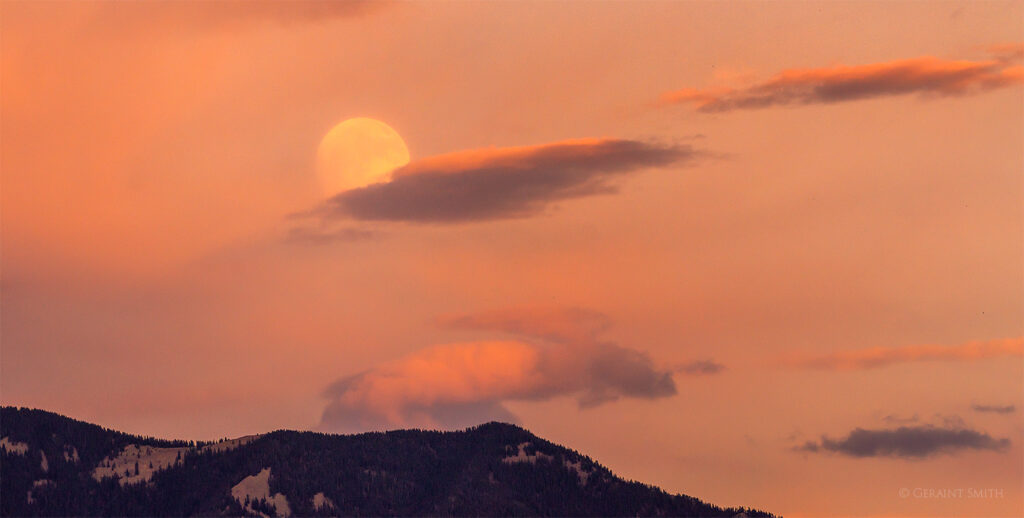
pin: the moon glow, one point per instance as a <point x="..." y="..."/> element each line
<point x="359" y="152"/>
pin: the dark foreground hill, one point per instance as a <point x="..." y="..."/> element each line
<point x="55" y="466"/>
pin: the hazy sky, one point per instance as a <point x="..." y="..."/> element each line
<point x="765" y="254"/>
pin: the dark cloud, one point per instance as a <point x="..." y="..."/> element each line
<point x="615" y="372"/>
<point x="996" y="409"/>
<point x="499" y="183"/>
<point x="910" y="442"/>
<point x="924" y="75"/>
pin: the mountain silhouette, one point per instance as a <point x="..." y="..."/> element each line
<point x="56" y="466"/>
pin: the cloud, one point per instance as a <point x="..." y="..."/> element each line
<point x="882" y="356"/>
<point x="924" y="75"/>
<point x="911" y="442"/>
<point x="555" y="352"/>
<point x="895" y="419"/>
<point x="447" y="386"/>
<point x="565" y="325"/>
<point x="1007" y="51"/>
<point x="499" y="183"/>
<point x="1008" y="409"/>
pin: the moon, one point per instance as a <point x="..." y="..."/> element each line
<point x="359" y="152"/>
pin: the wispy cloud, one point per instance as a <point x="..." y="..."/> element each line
<point x="701" y="367"/>
<point x="1007" y="51"/>
<point x="557" y="324"/>
<point x="911" y="442"/>
<point x="229" y="14"/>
<point x="322" y="236"/>
<point x="499" y="183"/>
<point x="883" y="356"/>
<point x="995" y="409"/>
<point x="896" y="419"/>
<point x="924" y="75"/>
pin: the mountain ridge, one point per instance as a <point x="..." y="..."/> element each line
<point x="54" y="465"/>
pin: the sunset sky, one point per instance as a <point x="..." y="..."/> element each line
<point x="767" y="254"/>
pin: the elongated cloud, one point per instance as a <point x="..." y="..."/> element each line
<point x="499" y="183"/>
<point x="924" y="75"/>
<point x="882" y="356"/>
<point x="320" y="236"/>
<point x="555" y="352"/>
<point x="911" y="442"/>
<point x="451" y="386"/>
<point x="995" y="409"/>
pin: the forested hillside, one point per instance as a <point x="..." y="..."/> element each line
<point x="56" y="466"/>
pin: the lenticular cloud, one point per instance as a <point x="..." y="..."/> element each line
<point x="555" y="353"/>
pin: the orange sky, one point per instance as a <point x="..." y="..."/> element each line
<point x="711" y="241"/>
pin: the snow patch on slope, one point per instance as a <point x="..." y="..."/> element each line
<point x="20" y="448"/>
<point x="320" y="501"/>
<point x="578" y="468"/>
<point x="522" y="456"/>
<point x="71" y="454"/>
<point x="256" y="487"/>
<point x="145" y="459"/>
<point x="43" y="463"/>
<point x="35" y="484"/>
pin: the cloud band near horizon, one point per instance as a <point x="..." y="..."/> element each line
<point x="909" y="442"/>
<point x="882" y="356"/>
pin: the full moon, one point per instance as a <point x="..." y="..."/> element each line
<point x="359" y="152"/>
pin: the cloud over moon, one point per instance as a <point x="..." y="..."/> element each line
<point x="555" y="352"/>
<point x="883" y="356"/>
<point x="924" y="75"/>
<point x="910" y="442"/>
<point x="499" y="183"/>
